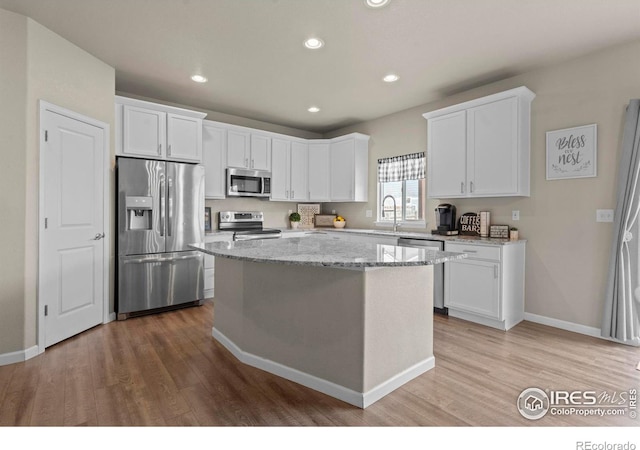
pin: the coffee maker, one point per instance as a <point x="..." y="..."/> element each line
<point x="445" y="220"/>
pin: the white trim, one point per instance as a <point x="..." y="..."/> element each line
<point x="159" y="107"/>
<point x="397" y="380"/>
<point x="562" y="324"/>
<point x="19" y="356"/>
<point x="359" y="399"/>
<point x="44" y="107"/>
<point x="575" y="328"/>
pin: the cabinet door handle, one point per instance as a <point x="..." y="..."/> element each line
<point x="471" y="186"/>
<point x="159" y="149"/>
<point x="169" y="150"/>
<point x="286" y="194"/>
<point x="495" y="272"/>
<point x="293" y="194"/>
<point x="246" y="162"/>
<point x="252" y="163"/>
<point x="462" y="187"/>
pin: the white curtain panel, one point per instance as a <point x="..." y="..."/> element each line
<point x="401" y="168"/>
<point x="621" y="318"/>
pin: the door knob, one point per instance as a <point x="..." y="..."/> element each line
<point x="98" y="236"/>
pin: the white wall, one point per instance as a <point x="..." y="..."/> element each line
<point x="567" y="251"/>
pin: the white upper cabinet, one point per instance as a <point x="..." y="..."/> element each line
<point x="238" y="148"/>
<point x="150" y="130"/>
<point x="184" y="138"/>
<point x="298" y="171"/>
<point x="319" y="173"/>
<point x="260" y="156"/>
<point x="247" y="150"/>
<point x="318" y="170"/>
<point x="349" y="157"/>
<point x="288" y="170"/>
<point x="280" y="154"/>
<point x="143" y="132"/>
<point x="480" y="148"/>
<point x="446" y="169"/>
<point x="214" y="145"/>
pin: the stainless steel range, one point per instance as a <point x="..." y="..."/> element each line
<point x="246" y="225"/>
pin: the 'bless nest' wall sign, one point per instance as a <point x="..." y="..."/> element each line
<point x="571" y="153"/>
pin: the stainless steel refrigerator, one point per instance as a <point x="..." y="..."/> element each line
<point x="160" y="209"/>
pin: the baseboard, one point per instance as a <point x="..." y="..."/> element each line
<point x="396" y="381"/>
<point x="359" y="399"/>
<point x="575" y="327"/>
<point x="19" y="356"/>
<point x="562" y="324"/>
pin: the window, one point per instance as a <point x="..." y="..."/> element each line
<point x="401" y="177"/>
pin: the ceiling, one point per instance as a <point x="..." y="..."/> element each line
<point x="253" y="55"/>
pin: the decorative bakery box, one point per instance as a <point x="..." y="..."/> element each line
<point x="324" y="220"/>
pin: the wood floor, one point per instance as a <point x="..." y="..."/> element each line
<point x="166" y="370"/>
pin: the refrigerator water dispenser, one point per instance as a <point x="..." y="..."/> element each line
<point x="139" y="213"/>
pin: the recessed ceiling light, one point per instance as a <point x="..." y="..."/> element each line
<point x="313" y="109"/>
<point x="313" y="43"/>
<point x="199" y="79"/>
<point x="376" y="3"/>
<point x="390" y="78"/>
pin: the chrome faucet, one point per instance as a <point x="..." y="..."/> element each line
<point x="395" y="223"/>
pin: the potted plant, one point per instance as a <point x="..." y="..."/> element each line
<point x="513" y="233"/>
<point x="294" y="219"/>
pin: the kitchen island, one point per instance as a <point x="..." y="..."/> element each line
<point x="351" y="320"/>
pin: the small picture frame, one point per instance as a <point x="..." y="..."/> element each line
<point x="572" y="152"/>
<point x="207" y="218"/>
<point x="499" y="231"/>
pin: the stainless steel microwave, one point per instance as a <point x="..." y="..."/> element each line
<point x="248" y="183"/>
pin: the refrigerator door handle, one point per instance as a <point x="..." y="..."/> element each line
<point x="159" y="260"/>
<point x="162" y="207"/>
<point x="170" y="206"/>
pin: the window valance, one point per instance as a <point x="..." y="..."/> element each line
<point x="400" y="168"/>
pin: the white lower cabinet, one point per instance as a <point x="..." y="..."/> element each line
<point x="488" y="286"/>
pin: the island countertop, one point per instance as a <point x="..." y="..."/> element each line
<point x="318" y="251"/>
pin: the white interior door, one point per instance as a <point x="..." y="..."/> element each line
<point x="72" y="248"/>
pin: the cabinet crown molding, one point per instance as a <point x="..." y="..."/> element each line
<point x="159" y="107"/>
<point x="522" y="92"/>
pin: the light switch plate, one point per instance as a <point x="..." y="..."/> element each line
<point x="604" y="215"/>
<point x="515" y="215"/>
<point x="369" y="213"/>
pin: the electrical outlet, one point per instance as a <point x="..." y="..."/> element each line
<point x="515" y="215"/>
<point x="290" y="211"/>
<point x="604" y="215"/>
<point x="333" y="211"/>
<point x="369" y="213"/>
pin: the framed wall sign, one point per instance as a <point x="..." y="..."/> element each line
<point x="572" y="152"/>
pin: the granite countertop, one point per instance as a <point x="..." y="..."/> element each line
<point x="317" y="251"/>
<point x="414" y="235"/>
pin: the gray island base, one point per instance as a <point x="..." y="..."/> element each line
<point x="351" y="320"/>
